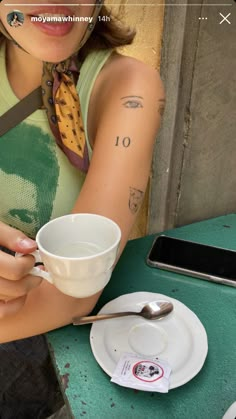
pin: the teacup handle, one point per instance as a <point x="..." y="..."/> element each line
<point x="36" y="271"/>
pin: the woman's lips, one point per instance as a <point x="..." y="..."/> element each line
<point x="54" y="28"/>
<point x="63" y="10"/>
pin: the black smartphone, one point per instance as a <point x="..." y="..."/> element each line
<point x="194" y="259"/>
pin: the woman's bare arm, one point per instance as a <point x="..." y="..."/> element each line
<point x="126" y="107"/>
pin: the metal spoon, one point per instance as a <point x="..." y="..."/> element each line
<point x="151" y="311"/>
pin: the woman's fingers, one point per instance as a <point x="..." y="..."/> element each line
<point x="15" y="240"/>
<point x="13" y="268"/>
<point x="15" y="289"/>
<point x="15" y="280"/>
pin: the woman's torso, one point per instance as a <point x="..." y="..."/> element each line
<point x="37" y="182"/>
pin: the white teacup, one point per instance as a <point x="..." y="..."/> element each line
<point x="78" y="251"/>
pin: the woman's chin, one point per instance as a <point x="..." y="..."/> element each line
<point x="55" y="50"/>
<point x="51" y="56"/>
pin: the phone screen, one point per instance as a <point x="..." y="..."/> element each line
<point x="194" y="256"/>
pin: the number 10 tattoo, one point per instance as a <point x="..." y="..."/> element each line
<point x="124" y="141"/>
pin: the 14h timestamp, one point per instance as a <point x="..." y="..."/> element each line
<point x="104" y="19"/>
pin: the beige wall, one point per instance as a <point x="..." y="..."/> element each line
<point x="148" y="22"/>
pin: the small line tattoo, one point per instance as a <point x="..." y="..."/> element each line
<point x="133" y="102"/>
<point x="126" y="97"/>
<point x="135" y="199"/>
<point x="161" y="106"/>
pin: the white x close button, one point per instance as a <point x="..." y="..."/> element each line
<point x="225" y="19"/>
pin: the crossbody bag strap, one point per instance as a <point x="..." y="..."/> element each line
<point x="21" y="111"/>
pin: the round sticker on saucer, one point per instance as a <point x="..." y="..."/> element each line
<point x="147" y="371"/>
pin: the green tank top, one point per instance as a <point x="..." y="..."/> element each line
<point x="37" y="182"/>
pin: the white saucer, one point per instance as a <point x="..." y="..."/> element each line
<point x="179" y="338"/>
<point x="231" y="412"/>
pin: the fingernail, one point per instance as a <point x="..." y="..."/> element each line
<point x="26" y="243"/>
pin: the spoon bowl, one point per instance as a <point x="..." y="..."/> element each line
<point x="154" y="310"/>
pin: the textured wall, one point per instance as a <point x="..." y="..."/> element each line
<point x="208" y="185"/>
<point x="148" y="22"/>
<point x="195" y="172"/>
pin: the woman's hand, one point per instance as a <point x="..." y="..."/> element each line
<point x="15" y="282"/>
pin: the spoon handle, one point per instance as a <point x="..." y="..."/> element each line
<point x="90" y="319"/>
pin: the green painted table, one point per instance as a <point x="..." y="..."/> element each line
<point x="87" y="389"/>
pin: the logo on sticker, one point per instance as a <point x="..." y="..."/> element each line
<point x="147" y="371"/>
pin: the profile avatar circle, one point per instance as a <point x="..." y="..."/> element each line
<point x="15" y="19"/>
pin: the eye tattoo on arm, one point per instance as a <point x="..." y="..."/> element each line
<point x="135" y="199"/>
<point x="161" y="106"/>
<point x="132" y="101"/>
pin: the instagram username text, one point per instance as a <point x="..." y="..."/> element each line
<point x="61" y="19"/>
